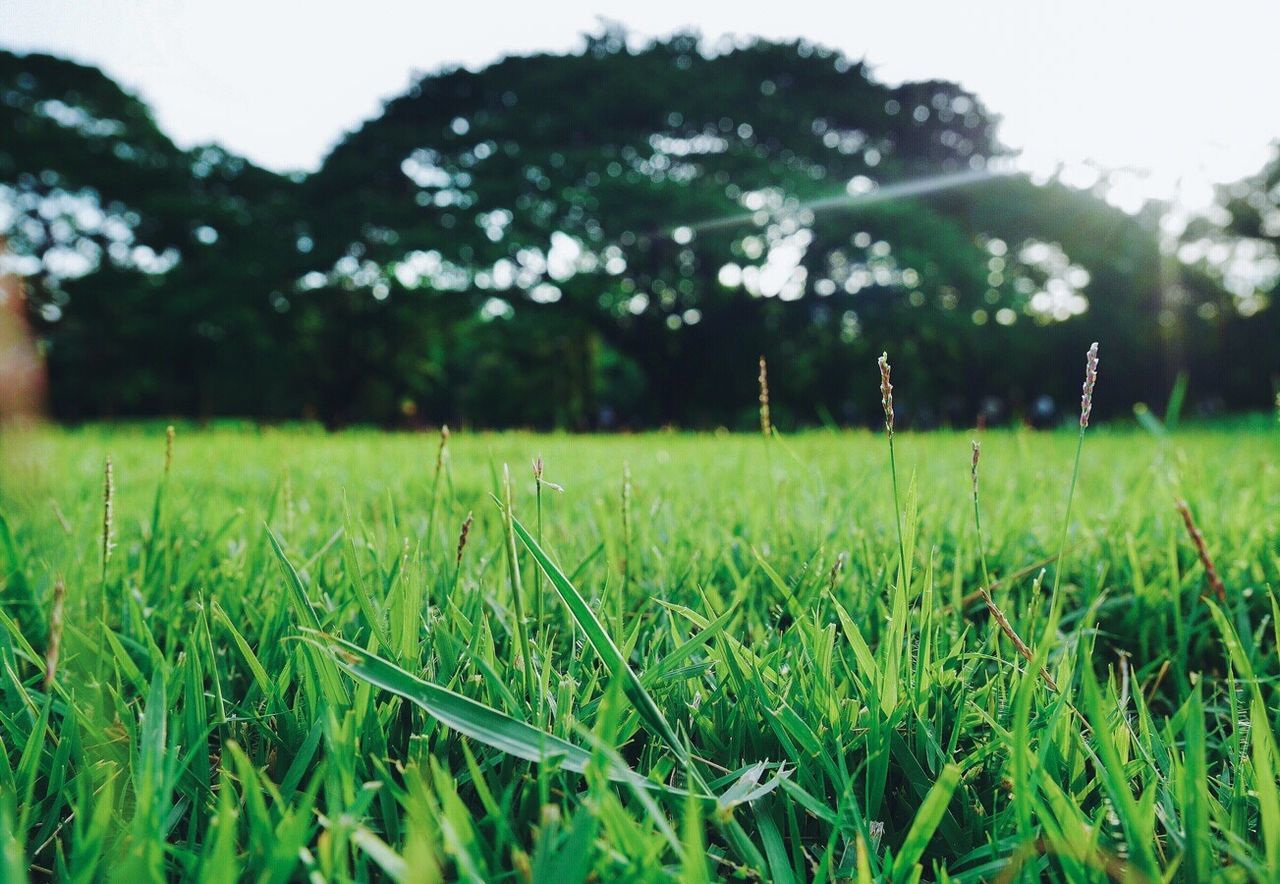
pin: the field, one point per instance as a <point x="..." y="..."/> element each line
<point x="721" y="668"/>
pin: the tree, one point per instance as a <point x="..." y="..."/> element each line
<point x="604" y="238"/>
<point x="143" y="260"/>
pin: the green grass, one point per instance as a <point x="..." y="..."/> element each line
<point x="731" y="675"/>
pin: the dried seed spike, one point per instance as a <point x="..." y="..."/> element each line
<point x="886" y="391"/>
<point x="537" y="468"/>
<point x="766" y="423"/>
<point x="1007" y="628"/>
<point x="1090" y="378"/>
<point x="55" y="633"/>
<point x="462" y="536"/>
<point x="1197" y="538"/>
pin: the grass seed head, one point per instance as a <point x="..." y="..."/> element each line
<point x="108" y="512"/>
<point x="977" y="453"/>
<point x="836" y="568"/>
<point x="55" y="633"/>
<point x="1202" y="550"/>
<point x="766" y="423"/>
<point x="539" y="477"/>
<point x="626" y="493"/>
<point x="168" y="448"/>
<point x="1007" y="628"/>
<point x="1090" y="378"/>
<point x="463" y="535"/>
<point x="442" y="450"/>
<point x="886" y="392"/>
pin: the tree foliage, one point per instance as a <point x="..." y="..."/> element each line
<point x="604" y="238"/>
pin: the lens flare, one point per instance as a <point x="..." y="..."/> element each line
<point x="929" y="184"/>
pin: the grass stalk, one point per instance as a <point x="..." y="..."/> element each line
<point x="442" y="454"/>
<point x="620" y="598"/>
<point x="537" y="572"/>
<point x="886" y="401"/>
<point x="463" y="534"/>
<point x="54" y="643"/>
<point x="108" y="545"/>
<point x="1086" y="408"/>
<point x="997" y="614"/>
<point x="525" y="650"/>
<point x="768" y="432"/>
<point x="977" y="518"/>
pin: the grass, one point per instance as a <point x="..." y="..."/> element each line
<point x="730" y="662"/>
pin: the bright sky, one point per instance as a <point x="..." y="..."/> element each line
<point x="1179" y="90"/>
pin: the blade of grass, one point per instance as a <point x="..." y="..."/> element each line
<point x="332" y="686"/>
<point x="926" y="821"/>
<point x="473" y="719"/>
<point x="601" y="641"/>
<point x="634" y="688"/>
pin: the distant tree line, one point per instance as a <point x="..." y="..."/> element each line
<point x="610" y="239"/>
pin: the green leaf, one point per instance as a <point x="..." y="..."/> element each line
<point x="634" y="688"/>
<point x="926" y="822"/>
<point x="333" y="688"/>
<point x="473" y="719"/>
<point x="603" y="644"/>
<point x="1137" y="825"/>
<point x="1195" y="794"/>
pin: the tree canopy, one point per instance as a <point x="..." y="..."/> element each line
<point x="607" y="238"/>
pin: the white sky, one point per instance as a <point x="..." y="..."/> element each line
<point x="1182" y="90"/>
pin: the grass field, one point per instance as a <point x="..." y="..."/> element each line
<point x="724" y="670"/>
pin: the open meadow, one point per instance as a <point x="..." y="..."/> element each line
<point x="277" y="660"/>
<point x="648" y="613"/>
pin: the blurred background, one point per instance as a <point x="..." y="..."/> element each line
<point x="600" y="219"/>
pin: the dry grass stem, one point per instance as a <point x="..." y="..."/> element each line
<point x="1197" y="538"/>
<point x="1007" y="628"/>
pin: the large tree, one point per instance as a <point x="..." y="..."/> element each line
<point x="611" y="236"/>
<point x="150" y="269"/>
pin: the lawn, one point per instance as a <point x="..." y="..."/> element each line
<point x="709" y="661"/>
